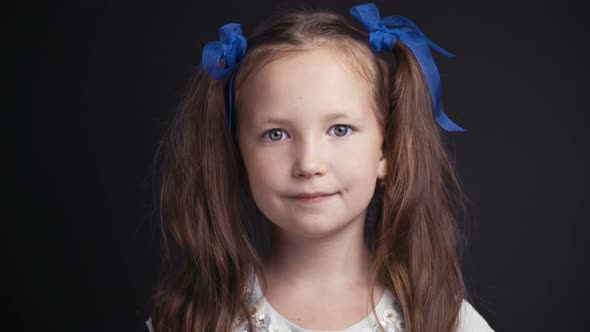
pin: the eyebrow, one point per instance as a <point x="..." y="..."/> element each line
<point x="327" y="117"/>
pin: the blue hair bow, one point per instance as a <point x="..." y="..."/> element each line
<point x="221" y="57"/>
<point x="383" y="35"/>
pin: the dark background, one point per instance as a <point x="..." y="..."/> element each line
<point x="103" y="78"/>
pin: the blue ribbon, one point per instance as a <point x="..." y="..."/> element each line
<point x="229" y="49"/>
<point x="383" y="35"/>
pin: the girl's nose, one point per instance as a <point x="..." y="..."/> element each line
<point x="309" y="160"/>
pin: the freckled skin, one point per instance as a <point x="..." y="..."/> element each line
<point x="309" y="154"/>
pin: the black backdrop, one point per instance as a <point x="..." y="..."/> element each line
<point x="102" y="79"/>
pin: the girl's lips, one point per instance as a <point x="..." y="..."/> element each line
<point x="313" y="198"/>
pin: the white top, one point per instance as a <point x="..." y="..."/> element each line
<point x="388" y="311"/>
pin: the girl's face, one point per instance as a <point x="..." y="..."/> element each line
<point x="307" y="126"/>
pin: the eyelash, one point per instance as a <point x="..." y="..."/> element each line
<point x="350" y="130"/>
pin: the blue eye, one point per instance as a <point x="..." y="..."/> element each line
<point x="342" y="130"/>
<point x="275" y="134"/>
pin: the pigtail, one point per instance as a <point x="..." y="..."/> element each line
<point x="417" y="249"/>
<point x="199" y="208"/>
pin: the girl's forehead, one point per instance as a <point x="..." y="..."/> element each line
<point x="316" y="80"/>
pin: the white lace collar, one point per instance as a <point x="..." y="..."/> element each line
<point x="266" y="318"/>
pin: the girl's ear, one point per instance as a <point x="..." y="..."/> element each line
<point x="381" y="167"/>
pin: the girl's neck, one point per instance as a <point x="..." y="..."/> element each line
<point x="341" y="258"/>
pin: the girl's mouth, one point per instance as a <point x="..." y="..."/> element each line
<point x="313" y="197"/>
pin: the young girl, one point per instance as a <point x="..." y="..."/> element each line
<point x="307" y="187"/>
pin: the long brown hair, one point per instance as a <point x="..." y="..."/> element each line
<point x="206" y="206"/>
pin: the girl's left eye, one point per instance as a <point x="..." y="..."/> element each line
<point x="340" y="130"/>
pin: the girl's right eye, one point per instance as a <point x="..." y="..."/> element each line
<point x="275" y="134"/>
